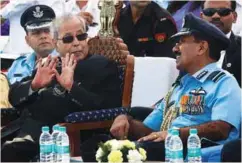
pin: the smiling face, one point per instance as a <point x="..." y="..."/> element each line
<point x="72" y="27"/>
<point x="224" y="20"/>
<point x="41" y="41"/>
<point x="187" y="52"/>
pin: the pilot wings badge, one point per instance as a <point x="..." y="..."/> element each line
<point x="198" y="92"/>
<point x="37" y="13"/>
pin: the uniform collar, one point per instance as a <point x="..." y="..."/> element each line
<point x="201" y="74"/>
<point x="31" y="58"/>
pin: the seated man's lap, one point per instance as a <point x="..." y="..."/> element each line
<point x="19" y="150"/>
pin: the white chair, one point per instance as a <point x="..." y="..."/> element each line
<point x="153" y="76"/>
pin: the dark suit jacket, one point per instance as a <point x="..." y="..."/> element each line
<point x="232" y="59"/>
<point x="96" y="86"/>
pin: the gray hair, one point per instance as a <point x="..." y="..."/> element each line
<point x="56" y="24"/>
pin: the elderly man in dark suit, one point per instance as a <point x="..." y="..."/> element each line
<point x="222" y="14"/>
<point x="75" y="82"/>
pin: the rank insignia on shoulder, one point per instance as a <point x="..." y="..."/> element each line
<point x="216" y="76"/>
<point x="163" y="19"/>
<point x="160" y="37"/>
<point x="202" y="74"/>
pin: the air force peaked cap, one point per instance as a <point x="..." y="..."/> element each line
<point x="37" y="16"/>
<point x="194" y="25"/>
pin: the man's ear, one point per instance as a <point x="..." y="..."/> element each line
<point x="201" y="15"/>
<point x="27" y="40"/>
<point x="235" y="16"/>
<point x="56" y="45"/>
<point x="203" y="47"/>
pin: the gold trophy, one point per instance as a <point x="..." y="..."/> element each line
<point x="106" y="43"/>
<point x="107" y="15"/>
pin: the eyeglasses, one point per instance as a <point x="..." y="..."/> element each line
<point x="70" y="39"/>
<point x="220" y="11"/>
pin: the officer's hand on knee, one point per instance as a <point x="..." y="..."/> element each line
<point x="120" y="127"/>
<point x="154" y="136"/>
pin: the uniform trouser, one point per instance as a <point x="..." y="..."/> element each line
<point x="19" y="150"/>
<point x="155" y="151"/>
<point x="231" y="152"/>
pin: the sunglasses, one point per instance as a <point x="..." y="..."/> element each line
<point x="70" y="39"/>
<point x="220" y="11"/>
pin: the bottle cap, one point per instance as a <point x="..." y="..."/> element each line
<point x="55" y="128"/>
<point x="45" y="128"/>
<point x="170" y="131"/>
<point x="175" y="132"/>
<point x="62" y="128"/>
<point x="193" y="131"/>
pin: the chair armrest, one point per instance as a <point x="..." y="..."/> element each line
<point x="73" y="131"/>
<point x="208" y="143"/>
<point x="95" y="115"/>
<point x="8" y="115"/>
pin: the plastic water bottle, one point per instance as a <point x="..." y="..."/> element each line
<point x="62" y="144"/>
<point x="46" y="145"/>
<point x="55" y="132"/>
<point x="194" y="147"/>
<point x="176" y="147"/>
<point x="167" y="146"/>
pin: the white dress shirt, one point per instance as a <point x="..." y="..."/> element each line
<point x="223" y="53"/>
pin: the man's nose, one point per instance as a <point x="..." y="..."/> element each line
<point x="176" y="48"/>
<point x="43" y="35"/>
<point x="215" y="15"/>
<point x="76" y="42"/>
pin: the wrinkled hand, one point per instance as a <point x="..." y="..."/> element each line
<point x="87" y="16"/>
<point x="155" y="137"/>
<point x="45" y="73"/>
<point x="120" y="127"/>
<point x="65" y="79"/>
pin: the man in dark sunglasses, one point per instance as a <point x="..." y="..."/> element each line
<point x="222" y="14"/>
<point x="75" y="82"/>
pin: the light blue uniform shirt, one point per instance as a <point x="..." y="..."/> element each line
<point x="219" y="99"/>
<point x="23" y="66"/>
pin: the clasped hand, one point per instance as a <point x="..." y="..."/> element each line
<point x="47" y="72"/>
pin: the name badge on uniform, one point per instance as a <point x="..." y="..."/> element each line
<point x="144" y="39"/>
<point x="193" y="103"/>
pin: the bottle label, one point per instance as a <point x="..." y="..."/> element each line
<point x="194" y="152"/>
<point x="63" y="149"/>
<point x="46" y="148"/>
<point x="54" y="148"/>
<point x="176" y="154"/>
<point x="167" y="153"/>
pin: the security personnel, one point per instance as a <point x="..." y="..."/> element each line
<point x="36" y="21"/>
<point x="145" y="27"/>
<point x="207" y="98"/>
<point x="223" y="15"/>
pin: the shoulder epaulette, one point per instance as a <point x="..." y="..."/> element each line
<point x="216" y="76"/>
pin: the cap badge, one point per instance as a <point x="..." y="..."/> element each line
<point x="38" y="13"/>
